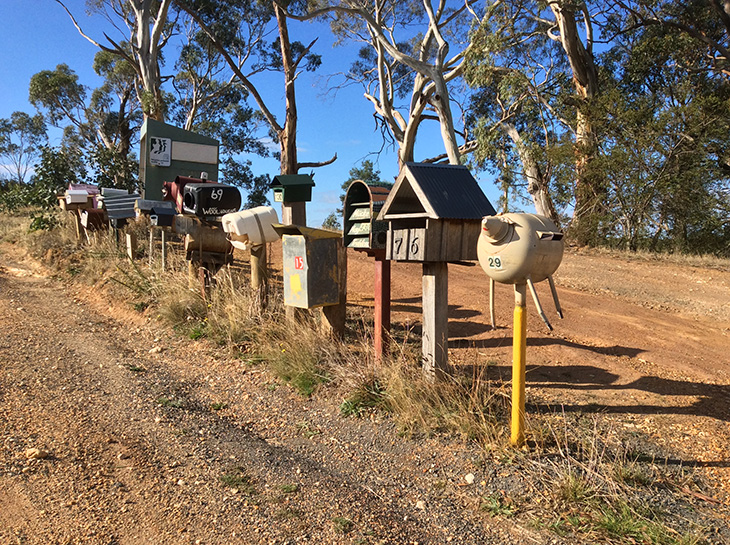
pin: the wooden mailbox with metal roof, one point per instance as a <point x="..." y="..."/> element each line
<point x="435" y="213"/>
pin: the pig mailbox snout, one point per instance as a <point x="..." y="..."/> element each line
<point x="513" y="248"/>
<point x="208" y="201"/>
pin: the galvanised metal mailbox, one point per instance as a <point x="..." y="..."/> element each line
<point x="311" y="266"/>
<point x="435" y="213"/>
<point x="210" y="201"/>
<point x="292" y="188"/>
<point x="167" y="152"/>
<point x="362" y="231"/>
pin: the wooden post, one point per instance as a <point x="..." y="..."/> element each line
<point x="435" y="336"/>
<point x="333" y="316"/>
<point x="294" y="213"/>
<point x="259" y="274"/>
<point x="152" y="245"/>
<point x="164" y="248"/>
<point x="382" y="308"/>
<point x="79" y="226"/>
<point x="131" y="246"/>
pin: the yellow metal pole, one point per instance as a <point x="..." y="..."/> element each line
<point x="519" y="347"/>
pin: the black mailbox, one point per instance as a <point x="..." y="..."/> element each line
<point x="162" y="216"/>
<point x="362" y="231"/>
<point x="208" y="201"/>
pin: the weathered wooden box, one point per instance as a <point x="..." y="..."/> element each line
<point x="434" y="214"/>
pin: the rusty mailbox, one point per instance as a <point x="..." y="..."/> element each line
<point x="311" y="267"/>
<point x="365" y="233"/>
<point x="435" y="212"/>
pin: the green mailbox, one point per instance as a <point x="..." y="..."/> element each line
<point x="167" y="152"/>
<point x="292" y="188"/>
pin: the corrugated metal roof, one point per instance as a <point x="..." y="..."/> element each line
<point x="451" y="190"/>
<point x="291" y="179"/>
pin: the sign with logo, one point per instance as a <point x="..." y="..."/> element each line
<point x="160" y="151"/>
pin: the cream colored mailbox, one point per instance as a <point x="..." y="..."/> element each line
<point x="520" y="249"/>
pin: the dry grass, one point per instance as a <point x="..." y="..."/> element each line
<point x="693" y="260"/>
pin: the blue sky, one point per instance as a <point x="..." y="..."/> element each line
<point x="38" y="35"/>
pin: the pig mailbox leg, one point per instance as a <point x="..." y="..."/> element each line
<point x="541" y="312"/>
<point x="555" y="296"/>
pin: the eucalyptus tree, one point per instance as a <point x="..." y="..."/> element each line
<point x="99" y="124"/>
<point x="145" y="29"/>
<point x="571" y="24"/>
<point x="211" y="101"/>
<point x="253" y="38"/>
<point x="413" y="48"/>
<point x="663" y="142"/>
<point x="705" y="22"/>
<point x="516" y="110"/>
<point x="22" y="138"/>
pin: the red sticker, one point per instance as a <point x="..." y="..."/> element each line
<point x="298" y="262"/>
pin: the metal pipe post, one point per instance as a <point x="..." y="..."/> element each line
<point x="519" y="347"/>
<point x="491" y="303"/>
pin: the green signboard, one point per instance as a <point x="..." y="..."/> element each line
<point x="167" y="152"/>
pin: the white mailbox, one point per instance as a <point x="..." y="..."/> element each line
<point x="251" y="227"/>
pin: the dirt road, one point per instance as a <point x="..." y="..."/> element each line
<point x="130" y="448"/>
<point x="144" y="437"/>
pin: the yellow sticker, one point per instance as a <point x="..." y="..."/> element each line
<point x="295" y="284"/>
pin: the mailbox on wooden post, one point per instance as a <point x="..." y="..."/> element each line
<point x="315" y="273"/>
<point x="434" y="213"/>
<point x="293" y="191"/>
<point x="250" y="230"/>
<point x="365" y="233"/>
<point x="521" y="249"/>
<point x="206" y="249"/>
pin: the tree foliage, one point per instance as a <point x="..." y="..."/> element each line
<point x="22" y="138"/>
